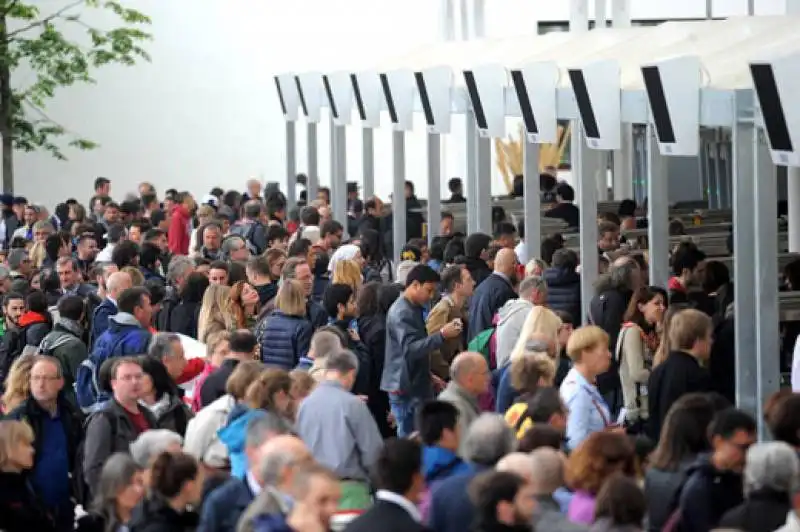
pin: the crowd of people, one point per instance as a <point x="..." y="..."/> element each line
<point x="453" y="389"/>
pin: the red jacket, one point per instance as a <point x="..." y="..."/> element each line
<point x="178" y="234"/>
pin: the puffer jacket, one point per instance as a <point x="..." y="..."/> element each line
<point x="284" y="340"/>
<point x="564" y="291"/>
<point x="512" y="317"/>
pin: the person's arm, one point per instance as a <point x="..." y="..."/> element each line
<point x="695" y="506"/>
<point x="259" y="237"/>
<point x="578" y="426"/>
<point x="96" y="448"/>
<point x="367" y="436"/>
<point x="303" y="341"/>
<point x="413" y="341"/>
<point x="436" y="320"/>
<point x="632" y="370"/>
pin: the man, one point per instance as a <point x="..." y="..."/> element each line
<point x="234" y="248"/>
<point x="86" y="252"/>
<point x="339" y="429"/>
<point x="168" y="349"/>
<point x="13" y="309"/>
<point x="119" y="422"/>
<point x="476" y="253"/>
<point x="71" y="278"/>
<point x="493" y="293"/>
<point x="20" y="263"/>
<point x="607" y="237"/>
<point x="58" y="429"/>
<point x="456" y="188"/>
<point x="117" y="283"/>
<point x="488" y="440"/>
<point x="218" y="273"/>
<point x="406" y="372"/>
<point x="102" y="186"/>
<point x="212" y="240"/>
<point x="309" y="225"/>
<point x="298" y="269"/>
<point x="688" y="266"/>
<point x="564" y="283"/>
<point x="400" y="483"/>
<point x="115" y="234"/>
<point x="505" y="235"/>
<point x="547" y="476"/>
<point x="331" y="234"/>
<point x="564" y="208"/>
<point x="458" y="285"/>
<point x="179" y="270"/>
<point x="253" y="192"/>
<point x="323" y="343"/>
<point x="260" y="276"/>
<point x="373" y="216"/>
<point x="30" y="215"/>
<point x="446" y="224"/>
<point x="242" y="348"/>
<point x="440" y="433"/>
<point x="269" y="455"/>
<point x="714" y="483"/>
<point x="512" y="316"/>
<point x="251" y="228"/>
<point x="8" y="221"/>
<point x="470" y="378"/>
<point x="503" y="501"/>
<point x="64" y="342"/>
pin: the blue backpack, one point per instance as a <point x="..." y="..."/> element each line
<point x="87" y="389"/>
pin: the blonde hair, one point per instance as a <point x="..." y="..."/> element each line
<point x="37" y="254"/>
<point x="291" y="298"/>
<point x="688" y="327"/>
<point x="529" y="369"/>
<point x="12" y="433"/>
<point x="584" y="338"/>
<point x="261" y="392"/>
<point x="541" y="322"/>
<point x="302" y="383"/>
<point x="532" y="265"/>
<point x="137" y="278"/>
<point x="347" y="272"/>
<point x="18" y="382"/>
<point x="215" y="312"/>
<point x="214" y="340"/>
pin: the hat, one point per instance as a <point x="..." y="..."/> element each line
<point x="411" y="253"/>
<point x="20" y="200"/>
<point x="6" y="200"/>
<point x="16" y="257"/>
<point x="208" y="199"/>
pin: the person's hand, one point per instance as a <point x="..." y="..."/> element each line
<point x="452" y="329"/>
<point x="353" y="335"/>
<point x="438" y="382"/>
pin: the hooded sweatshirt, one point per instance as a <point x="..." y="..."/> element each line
<point x="234" y="434"/>
<point x="512" y="317"/>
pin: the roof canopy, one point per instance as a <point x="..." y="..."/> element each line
<point x="724" y="47"/>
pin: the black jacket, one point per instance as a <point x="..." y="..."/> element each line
<point x="214" y="386"/>
<point x="372" y="330"/>
<point x="164" y="316"/>
<point x="662" y="491"/>
<point x="486" y="301"/>
<point x="678" y="375"/>
<point x="707" y="495"/>
<point x="153" y="514"/>
<point x="184" y="318"/>
<point x="763" y="511"/>
<point x="386" y="517"/>
<point x="20" y="509"/>
<point x="478" y="269"/>
<point x="722" y="361"/>
<point x="564" y="291"/>
<point x="567" y="212"/>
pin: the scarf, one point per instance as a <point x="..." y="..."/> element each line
<point x="70" y="325"/>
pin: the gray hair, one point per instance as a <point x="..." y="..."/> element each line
<point x="161" y="345"/>
<point x="773" y="466"/>
<point x="273" y="465"/>
<point x="179" y="266"/>
<point x="621" y="274"/>
<point x="231" y="244"/>
<point x="489" y="439"/>
<point x="548" y="470"/>
<point x="530" y="285"/>
<point x="343" y="361"/>
<point x="263" y="427"/>
<point x="152" y="443"/>
<point x="117" y="474"/>
<point x="517" y="463"/>
<point x="323" y="343"/>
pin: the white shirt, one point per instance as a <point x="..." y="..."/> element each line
<point x="796" y="366"/>
<point x="402" y="502"/>
<point x="253" y="484"/>
<point x="522" y="252"/>
<point x="105" y="254"/>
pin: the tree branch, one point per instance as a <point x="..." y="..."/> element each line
<point x="45" y="20"/>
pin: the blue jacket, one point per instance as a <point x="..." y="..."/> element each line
<point x="285" y="340"/>
<point x="439" y="463"/>
<point x="234" y="434"/>
<point x="271" y="523"/>
<point x="489" y="296"/>
<point x="223" y="506"/>
<point x="505" y="394"/>
<point x="564" y="291"/>
<point x="102" y="313"/>
<point x="125" y="336"/>
<point x="451" y="510"/>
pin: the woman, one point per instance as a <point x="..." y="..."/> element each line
<point x="636" y="346"/>
<point x="120" y="489"/>
<point x="176" y="484"/>
<point x="346" y="252"/>
<point x="620" y="506"/>
<point x="185" y="316"/>
<point x="528" y="375"/>
<point x="683" y="438"/>
<point x="540" y="321"/>
<point x="20" y="508"/>
<point x="348" y="272"/>
<point x="217" y="349"/>
<point x="215" y="312"/>
<point x="286" y="334"/>
<point x="18" y="383"/>
<point x="588" y="411"/>
<point x="162" y="397"/>
<point x="516" y="378"/>
<point x="663" y="345"/>
<point x="204" y="215"/>
<point x="376" y="266"/>
<point x="180" y="216"/>
<point x="373" y="304"/>
<point x="244" y="305"/>
<point x="597" y="458"/>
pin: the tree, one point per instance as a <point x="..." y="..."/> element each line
<point x="35" y="41"/>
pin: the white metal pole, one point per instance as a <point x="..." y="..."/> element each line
<point x="793" y="174"/>
<point x="472" y="171"/>
<point x="600" y="19"/>
<point x="657" y="212"/>
<point x="623" y="158"/>
<point x="368" y="161"/>
<point x="398" y="193"/>
<point x="533" y="205"/>
<point x="339" y="177"/>
<point x="483" y="192"/>
<point x="291" y="164"/>
<point x="313" y="169"/>
<point x="479" y="18"/>
<point x="447" y="28"/>
<point x="434" y="184"/>
<point x="464" y="5"/>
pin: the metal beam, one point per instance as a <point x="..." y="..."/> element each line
<point x="368" y="162"/>
<point x="479" y="19"/>
<point x="657" y="212"/>
<point x="398" y="193"/>
<point x="743" y="264"/>
<point x="471" y="133"/>
<point x="291" y="164"/>
<point x="583" y="168"/>
<point x="793" y="201"/>
<point x="465" y="35"/>
<point x="447" y="19"/>
<point x="339" y="176"/>
<point x="767" y="322"/>
<point x="531" y="201"/>
<point x="484" y="185"/>
<point x="579" y="15"/>
<point x="313" y="168"/>
<point x="434" y="147"/>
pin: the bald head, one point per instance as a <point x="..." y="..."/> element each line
<point x="117" y="283"/>
<point x="517" y="463"/>
<point x="505" y="262"/>
<point x="466" y="364"/>
<point x="547" y="468"/>
<point x="279" y="455"/>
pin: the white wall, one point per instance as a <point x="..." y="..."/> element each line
<point x="204" y="113"/>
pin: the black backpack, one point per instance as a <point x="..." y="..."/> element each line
<point x="80" y="488"/>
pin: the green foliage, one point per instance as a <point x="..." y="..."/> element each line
<point x="33" y="39"/>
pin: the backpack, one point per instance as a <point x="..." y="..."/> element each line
<point x="247" y="235"/>
<point x="485" y="343"/>
<point x="87" y="389"/>
<point x="80" y="487"/>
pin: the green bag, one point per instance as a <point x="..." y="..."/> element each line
<point x="484" y="344"/>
